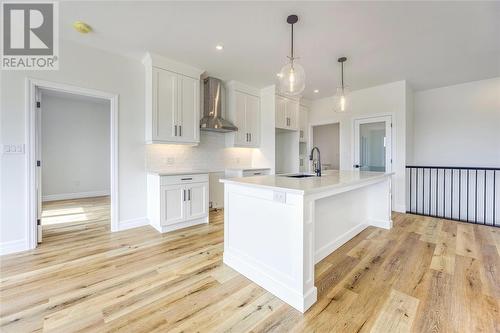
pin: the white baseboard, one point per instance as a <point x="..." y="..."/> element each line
<point x="274" y="286"/>
<point x="132" y="223"/>
<point x="399" y="208"/>
<point x="181" y="225"/>
<point x="13" y="246"/>
<point x="385" y="224"/>
<point x="327" y="249"/>
<point x="66" y="196"/>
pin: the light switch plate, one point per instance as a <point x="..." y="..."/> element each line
<point x="13" y="148"/>
<point x="279" y="196"/>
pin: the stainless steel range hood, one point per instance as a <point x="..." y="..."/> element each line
<point x="213" y="99"/>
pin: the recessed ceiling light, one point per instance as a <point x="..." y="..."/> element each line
<point x="316" y="91"/>
<point x="219" y="47"/>
<point x="82" y="27"/>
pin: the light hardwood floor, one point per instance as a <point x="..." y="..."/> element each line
<point x="424" y="275"/>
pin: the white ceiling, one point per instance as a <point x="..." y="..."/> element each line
<point x="431" y="44"/>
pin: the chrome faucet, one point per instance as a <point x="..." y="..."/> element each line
<point x="316" y="163"/>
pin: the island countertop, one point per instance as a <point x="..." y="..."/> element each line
<point x="329" y="180"/>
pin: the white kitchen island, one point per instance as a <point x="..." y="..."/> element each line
<point x="277" y="228"/>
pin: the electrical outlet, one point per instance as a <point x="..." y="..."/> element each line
<point x="237" y="160"/>
<point x="170" y="160"/>
<point x="279" y="196"/>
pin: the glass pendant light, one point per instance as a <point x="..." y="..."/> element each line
<point x="292" y="78"/>
<point x="340" y="100"/>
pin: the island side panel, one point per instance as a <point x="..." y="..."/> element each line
<point x="341" y="216"/>
<point x="264" y="240"/>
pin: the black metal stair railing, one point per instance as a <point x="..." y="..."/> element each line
<point x="466" y="194"/>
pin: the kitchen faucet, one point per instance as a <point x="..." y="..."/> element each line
<point x="316" y="163"/>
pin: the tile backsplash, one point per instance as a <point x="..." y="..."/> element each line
<point x="211" y="154"/>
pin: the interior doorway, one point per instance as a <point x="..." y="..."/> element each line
<point x="72" y="158"/>
<point x="373" y="144"/>
<point x="327" y="138"/>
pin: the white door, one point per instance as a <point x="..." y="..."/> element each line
<point x="252" y="107"/>
<point x="373" y="144"/>
<point x="165" y="97"/>
<point x="188" y="113"/>
<point x="38" y="155"/>
<point x="240" y="119"/>
<point x="197" y="200"/>
<point x="280" y="112"/>
<point x="172" y="199"/>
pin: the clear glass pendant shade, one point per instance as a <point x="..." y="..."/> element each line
<point x="292" y="79"/>
<point x="341" y="101"/>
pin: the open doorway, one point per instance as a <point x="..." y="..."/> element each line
<point x="72" y="154"/>
<point x="75" y="162"/>
<point x="327" y="138"/>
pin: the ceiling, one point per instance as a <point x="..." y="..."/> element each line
<point x="430" y="44"/>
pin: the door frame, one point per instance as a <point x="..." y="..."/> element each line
<point x="310" y="135"/>
<point x="388" y="118"/>
<point x="32" y="88"/>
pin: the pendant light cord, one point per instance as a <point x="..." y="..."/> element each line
<point x="291" y="48"/>
<point x="342" y="64"/>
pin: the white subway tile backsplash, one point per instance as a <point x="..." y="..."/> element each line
<point x="211" y="154"/>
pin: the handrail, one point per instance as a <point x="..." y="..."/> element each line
<point x="450" y="167"/>
<point x="466" y="194"/>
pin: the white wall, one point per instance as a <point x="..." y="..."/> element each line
<point x="458" y="125"/>
<point x="326" y="138"/>
<point x="89" y="68"/>
<point x="388" y="99"/>
<point x="75" y="146"/>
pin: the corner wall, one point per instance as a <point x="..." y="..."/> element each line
<point x="459" y="125"/>
<point x="387" y="99"/>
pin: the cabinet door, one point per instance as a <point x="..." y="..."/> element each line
<point x="165" y="100"/>
<point x="253" y="119"/>
<point x="240" y="120"/>
<point x="197" y="200"/>
<point x="303" y="128"/>
<point x="188" y="109"/>
<point x="280" y="112"/>
<point x="292" y="112"/>
<point x="172" y="204"/>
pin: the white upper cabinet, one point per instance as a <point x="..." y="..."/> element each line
<point x="172" y="101"/>
<point x="287" y="113"/>
<point x="243" y="110"/>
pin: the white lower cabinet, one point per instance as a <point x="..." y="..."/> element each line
<point x="176" y="202"/>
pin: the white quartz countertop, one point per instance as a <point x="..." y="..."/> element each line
<point x="177" y="172"/>
<point x="329" y="180"/>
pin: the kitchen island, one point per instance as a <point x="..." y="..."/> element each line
<point x="276" y="228"/>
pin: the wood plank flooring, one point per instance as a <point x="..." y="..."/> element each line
<point x="424" y="275"/>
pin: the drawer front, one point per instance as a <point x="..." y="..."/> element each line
<point x="184" y="179"/>
<point x="261" y="172"/>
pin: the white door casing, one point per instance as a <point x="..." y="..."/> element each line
<point x="387" y="120"/>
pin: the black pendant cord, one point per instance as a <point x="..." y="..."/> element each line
<point x="291" y="48"/>
<point x="342" y="60"/>
<point x="342" y="63"/>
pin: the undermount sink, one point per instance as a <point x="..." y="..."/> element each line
<point x="300" y="176"/>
